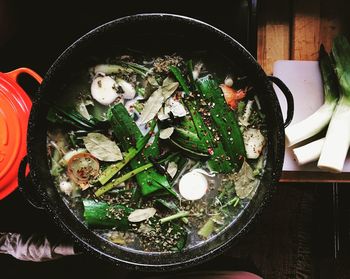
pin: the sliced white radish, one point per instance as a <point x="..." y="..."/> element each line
<point x="128" y="89"/>
<point x="254" y="142"/>
<point x="193" y="186"/>
<point x="103" y="90"/>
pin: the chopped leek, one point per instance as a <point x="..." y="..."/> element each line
<point x="337" y="140"/>
<point x="316" y="122"/>
<point x="309" y="152"/>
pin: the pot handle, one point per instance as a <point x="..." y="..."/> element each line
<point x="289" y="97"/>
<point x="15" y="73"/>
<point x="25" y="185"/>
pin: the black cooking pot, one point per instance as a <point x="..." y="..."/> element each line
<point x="151" y="33"/>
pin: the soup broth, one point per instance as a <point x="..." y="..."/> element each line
<point x="157" y="153"/>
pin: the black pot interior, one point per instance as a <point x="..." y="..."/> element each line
<point x="153" y="34"/>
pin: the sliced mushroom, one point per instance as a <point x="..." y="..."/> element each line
<point x="103" y="90"/>
<point x="128" y="89"/>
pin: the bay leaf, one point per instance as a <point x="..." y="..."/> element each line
<point x="139" y="215"/>
<point x="156" y="100"/>
<point x="172" y="169"/>
<point x="102" y="147"/>
<point x="168" y="89"/>
<point x="245" y="182"/>
<point x="166" y="133"/>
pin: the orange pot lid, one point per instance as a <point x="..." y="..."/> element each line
<point x="15" y="108"/>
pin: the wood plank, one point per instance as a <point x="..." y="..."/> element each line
<point x="273" y="32"/>
<point x="306" y="29"/>
<point x="305" y="176"/>
<point x="330" y="22"/>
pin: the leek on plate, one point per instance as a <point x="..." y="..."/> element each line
<point x="316" y="122"/>
<point x="337" y="140"/>
<point x="309" y="152"/>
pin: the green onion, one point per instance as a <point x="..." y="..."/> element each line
<point x="178" y="215"/>
<point x="113" y="169"/>
<point x="114" y="183"/>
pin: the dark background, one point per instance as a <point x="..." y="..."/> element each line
<point x="34" y="33"/>
<point x="304" y="233"/>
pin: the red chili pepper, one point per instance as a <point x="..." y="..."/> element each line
<point x="232" y="96"/>
<point x="210" y="151"/>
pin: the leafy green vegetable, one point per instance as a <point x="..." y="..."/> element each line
<point x="104" y="216"/>
<point x="194" y="85"/>
<point x="137" y="68"/>
<point x="167" y="204"/>
<point x="126" y="131"/>
<point x="72" y="117"/>
<point x="218" y="161"/>
<point x="224" y="121"/>
<point x="190" y="140"/>
<point x="112" y="170"/>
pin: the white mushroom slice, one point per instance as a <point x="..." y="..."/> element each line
<point x="128" y="89"/>
<point x="254" y="142"/>
<point x="103" y="90"/>
<point x="193" y="185"/>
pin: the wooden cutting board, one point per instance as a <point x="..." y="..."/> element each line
<point x="303" y="78"/>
